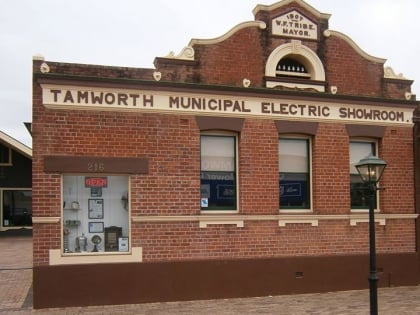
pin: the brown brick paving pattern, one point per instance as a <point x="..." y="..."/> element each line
<point x="16" y="296"/>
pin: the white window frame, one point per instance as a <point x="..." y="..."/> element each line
<point x="309" y="139"/>
<point x="236" y="136"/>
<point x="59" y="257"/>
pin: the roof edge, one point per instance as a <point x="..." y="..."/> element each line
<point x="240" y="26"/>
<point x="15" y="144"/>
<point x="352" y="43"/>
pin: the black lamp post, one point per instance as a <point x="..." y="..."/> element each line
<point x="370" y="170"/>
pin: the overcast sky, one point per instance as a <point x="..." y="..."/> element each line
<point x="134" y="32"/>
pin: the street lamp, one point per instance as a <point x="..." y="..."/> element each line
<point x="370" y="170"/>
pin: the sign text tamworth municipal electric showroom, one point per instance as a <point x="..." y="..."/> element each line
<point x="228" y="105"/>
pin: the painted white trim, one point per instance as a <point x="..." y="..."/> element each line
<point x="287" y="218"/>
<point x="38" y="57"/>
<point x="46" y="220"/>
<point x="389" y="73"/>
<point x="303" y="54"/>
<point x="259" y="24"/>
<point x="296" y="211"/>
<point x="283" y="222"/>
<point x="187" y="53"/>
<point x="57" y="258"/>
<point x="274" y="84"/>
<point x="354" y="222"/>
<point x="205" y="222"/>
<point x="224" y="105"/>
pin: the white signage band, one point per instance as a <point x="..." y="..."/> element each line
<point x="91" y="98"/>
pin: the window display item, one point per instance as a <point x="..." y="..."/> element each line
<point x="81" y="243"/>
<point x="75" y="205"/>
<point x="96" y="240"/>
<point x="112" y="234"/>
<point x="66" y="233"/>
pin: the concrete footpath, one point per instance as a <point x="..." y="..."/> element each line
<point x="16" y="296"/>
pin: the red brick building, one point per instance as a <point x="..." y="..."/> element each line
<point x="226" y="171"/>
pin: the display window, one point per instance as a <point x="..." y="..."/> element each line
<point x="294" y="173"/>
<point x="218" y="172"/>
<point x="95" y="214"/>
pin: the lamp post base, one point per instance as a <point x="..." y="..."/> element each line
<point x="373" y="293"/>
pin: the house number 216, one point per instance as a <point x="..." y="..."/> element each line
<point x="95" y="167"/>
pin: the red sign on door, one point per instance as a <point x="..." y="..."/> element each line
<point x="96" y="182"/>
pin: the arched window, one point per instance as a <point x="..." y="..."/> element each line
<point x="291" y="67"/>
<point x="289" y="63"/>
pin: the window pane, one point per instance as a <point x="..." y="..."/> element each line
<point x="218" y="189"/>
<point x="358" y="151"/>
<point x="294" y="191"/>
<point x="294" y="180"/>
<point x="359" y="194"/>
<point x="95" y="215"/>
<point x="218" y="176"/>
<point x="17" y="208"/>
<point x="293" y="155"/>
<point x="217" y="153"/>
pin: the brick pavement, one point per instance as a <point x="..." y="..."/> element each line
<point x="16" y="296"/>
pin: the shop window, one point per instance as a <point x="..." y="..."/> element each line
<point x="95" y="214"/>
<point x="358" y="190"/>
<point x="17" y="208"/>
<point x="294" y="173"/>
<point x="5" y="155"/>
<point x="218" y="172"/>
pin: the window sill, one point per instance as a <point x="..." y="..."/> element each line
<point x="58" y="258"/>
<point x="363" y="211"/>
<point x="295" y="211"/>
<point x="282" y="218"/>
<point x="312" y="222"/>
<point x="354" y="222"/>
<point x="205" y="221"/>
<point x="214" y="212"/>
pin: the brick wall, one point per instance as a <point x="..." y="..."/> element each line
<point x="258" y="167"/>
<point x="186" y="241"/>
<point x="398" y="180"/>
<point x="172" y="144"/>
<point x="351" y="73"/>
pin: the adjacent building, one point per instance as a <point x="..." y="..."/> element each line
<point x="15" y="184"/>
<point x="225" y="171"/>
